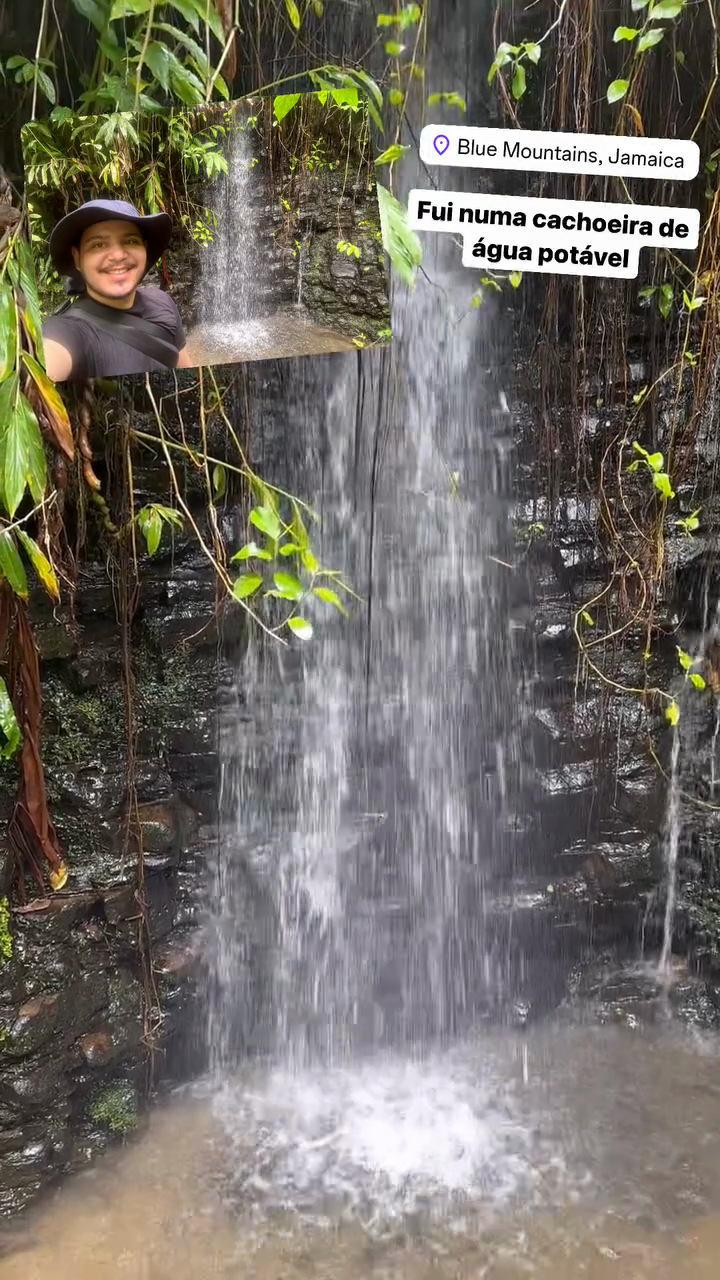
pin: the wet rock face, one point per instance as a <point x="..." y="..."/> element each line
<point x="74" y="1015"/>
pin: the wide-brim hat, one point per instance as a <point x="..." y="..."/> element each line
<point x="156" y="228"/>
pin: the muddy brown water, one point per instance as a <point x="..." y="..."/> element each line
<point x="562" y="1151"/>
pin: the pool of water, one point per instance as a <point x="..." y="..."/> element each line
<point x="285" y="333"/>
<point x="564" y="1150"/>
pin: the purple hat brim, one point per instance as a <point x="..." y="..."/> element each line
<point x="156" y="228"/>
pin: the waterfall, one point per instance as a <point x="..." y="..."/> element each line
<point x="229" y="277"/>
<point x="349" y="900"/>
<point x="672" y="844"/>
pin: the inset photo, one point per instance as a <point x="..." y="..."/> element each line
<point x="241" y="231"/>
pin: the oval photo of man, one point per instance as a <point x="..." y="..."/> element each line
<point x="112" y="325"/>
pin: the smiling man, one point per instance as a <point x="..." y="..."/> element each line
<point x="113" y="326"/>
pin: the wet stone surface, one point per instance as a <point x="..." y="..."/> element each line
<point x="71" y="991"/>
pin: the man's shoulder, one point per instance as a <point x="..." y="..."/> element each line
<point x="152" y="298"/>
<point x="63" y="322"/>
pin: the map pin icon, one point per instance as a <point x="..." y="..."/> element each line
<point x="441" y="143"/>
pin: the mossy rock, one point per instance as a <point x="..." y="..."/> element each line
<point x="114" y="1108"/>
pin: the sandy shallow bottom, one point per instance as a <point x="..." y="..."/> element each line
<point x="563" y="1152"/>
<point x="290" y="333"/>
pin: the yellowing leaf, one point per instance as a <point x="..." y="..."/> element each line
<point x="58" y="877"/>
<point x="40" y="564"/>
<point x="55" y="410"/>
<point x="293" y="13"/>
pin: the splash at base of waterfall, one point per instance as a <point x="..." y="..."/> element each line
<point x="558" y="1153"/>
<point x="285" y="333"/>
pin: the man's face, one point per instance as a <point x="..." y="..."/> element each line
<point x="111" y="258"/>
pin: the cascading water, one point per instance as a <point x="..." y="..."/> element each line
<point x="361" y="809"/>
<point x="672" y="843"/>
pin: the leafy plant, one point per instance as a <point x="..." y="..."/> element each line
<point x="643" y="37"/>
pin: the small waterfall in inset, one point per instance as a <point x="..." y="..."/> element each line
<point x="229" y="280"/>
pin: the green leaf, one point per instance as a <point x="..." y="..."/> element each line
<point x="617" y="90"/>
<point x="637" y="5"/>
<point x="265" y="519"/>
<point x="396" y="97"/>
<point x="666" y="9"/>
<point x="8" y="331"/>
<point x="22" y="457"/>
<point x="168" y="514"/>
<point x="283" y="104"/>
<point x="300" y="627"/>
<point x="650" y="38"/>
<point x="661" y="481"/>
<point x="391" y="154"/>
<point x="330" y="597"/>
<point x="696" y="679"/>
<point x="128" y="9"/>
<point x="400" y="242"/>
<point x="451" y="99"/>
<point x="188" y="11"/>
<point x="386" y="20"/>
<point x="246" y="585"/>
<point x="672" y="713"/>
<point x="519" y="82"/>
<point x="515" y="279"/>
<point x="61" y="115"/>
<point x="251" y="551"/>
<point x="219" y="481"/>
<point x="207" y="11"/>
<point x="186" y="85"/>
<point x="153" y="531"/>
<point x="665" y="300"/>
<point x="11" y="566"/>
<point x="393" y="48"/>
<point x="95" y="12"/>
<point x="293" y="13"/>
<point x="22" y="273"/>
<point x="309" y="561"/>
<point x="345" y="97"/>
<point x="587" y="618"/>
<point x="692" y="304"/>
<point x="655" y="461"/>
<point x="625" y="33"/>
<point x="9" y="727"/>
<point x="157" y="57"/>
<point x="288" y="585"/>
<point x="372" y="90"/>
<point x="289" y="549"/>
<point x="533" y="51"/>
<point x="689" y="524"/>
<point x="40" y="564"/>
<point x="683" y="658"/>
<point x="47" y="86"/>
